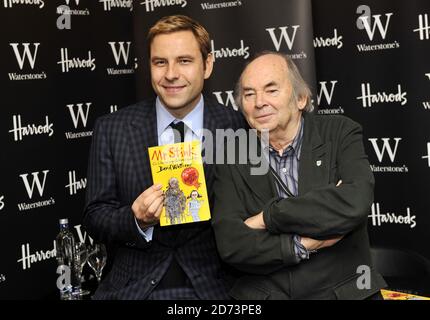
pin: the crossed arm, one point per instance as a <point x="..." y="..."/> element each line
<point x="257" y="222"/>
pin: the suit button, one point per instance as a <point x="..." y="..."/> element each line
<point x="130" y="244"/>
<point x="153" y="282"/>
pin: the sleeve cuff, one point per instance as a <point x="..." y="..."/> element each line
<point x="145" y="233"/>
<point x="287" y="249"/>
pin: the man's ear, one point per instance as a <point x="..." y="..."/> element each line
<point x="209" y="64"/>
<point x="301" y="103"/>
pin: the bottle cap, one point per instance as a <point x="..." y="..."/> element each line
<point x="64" y="221"/>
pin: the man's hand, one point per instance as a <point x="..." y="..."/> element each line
<point x="148" y="205"/>
<point x="312" y="244"/>
<point x="256" y="222"/>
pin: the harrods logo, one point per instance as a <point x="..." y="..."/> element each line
<point x="379" y="218"/>
<point x="335" y="41"/>
<point x="24" y="52"/>
<point x="221" y="5"/>
<point x="19" y="131"/>
<point x="10" y="3"/>
<point x="229" y="98"/>
<point x="389" y="148"/>
<point x="79" y="114"/>
<point x="28" y="258"/>
<point x="121" y="53"/>
<point x="121" y="4"/>
<point x="151" y="5"/>
<point x="369" y="98"/>
<point x="75" y="63"/>
<point x="423" y="27"/>
<point x="327" y="108"/>
<point x="428" y="154"/>
<point x="29" y="187"/>
<point x="372" y="23"/>
<point x="74" y="185"/>
<point x="242" y="51"/>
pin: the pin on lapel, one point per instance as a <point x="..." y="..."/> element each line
<point x="319" y="162"/>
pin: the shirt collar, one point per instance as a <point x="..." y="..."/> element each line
<point x="296" y="145"/>
<point x="193" y="120"/>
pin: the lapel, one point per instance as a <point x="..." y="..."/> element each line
<point x="210" y="116"/>
<point x="142" y="130"/>
<point x="262" y="185"/>
<point x="314" y="158"/>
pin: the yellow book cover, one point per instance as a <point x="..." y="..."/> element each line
<point x="178" y="168"/>
<point x="394" y="295"/>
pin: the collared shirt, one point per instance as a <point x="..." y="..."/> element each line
<point x="287" y="164"/>
<point x="194" y="123"/>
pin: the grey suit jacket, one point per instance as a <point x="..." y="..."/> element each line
<point x="118" y="173"/>
<point x="332" y="150"/>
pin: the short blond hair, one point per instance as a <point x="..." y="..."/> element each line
<point x="175" y="23"/>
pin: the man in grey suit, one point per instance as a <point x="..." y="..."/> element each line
<point x="123" y="206"/>
<point x="298" y="231"/>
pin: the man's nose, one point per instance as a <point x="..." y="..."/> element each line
<point x="172" y="72"/>
<point x="260" y="100"/>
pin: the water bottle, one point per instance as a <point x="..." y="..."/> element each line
<point x="65" y="243"/>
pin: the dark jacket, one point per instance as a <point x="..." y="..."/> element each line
<point x="332" y="149"/>
<point x="118" y="173"/>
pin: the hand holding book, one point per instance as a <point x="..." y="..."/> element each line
<point x="148" y="206"/>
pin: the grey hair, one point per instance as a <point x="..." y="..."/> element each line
<point x="300" y="88"/>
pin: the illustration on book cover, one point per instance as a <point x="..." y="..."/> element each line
<point x="179" y="169"/>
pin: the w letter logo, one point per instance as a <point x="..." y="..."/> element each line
<point x="277" y="41"/>
<point x="25" y="54"/>
<point x="376" y="23"/>
<point x="386" y="146"/>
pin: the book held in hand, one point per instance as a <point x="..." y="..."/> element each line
<point x="178" y="168"/>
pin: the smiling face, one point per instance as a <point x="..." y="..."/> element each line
<point x="267" y="99"/>
<point x="178" y="71"/>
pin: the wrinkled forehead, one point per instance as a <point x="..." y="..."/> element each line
<point x="263" y="70"/>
